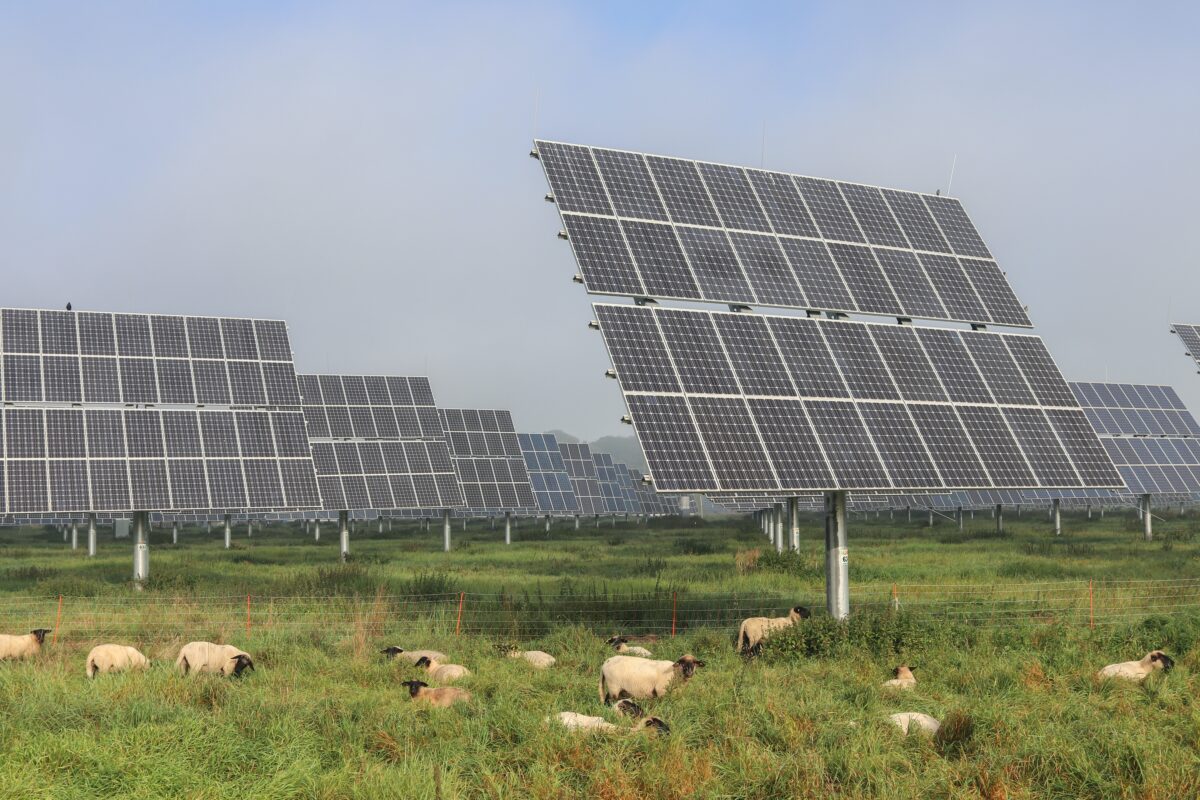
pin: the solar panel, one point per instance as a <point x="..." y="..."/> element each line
<point x="378" y="443"/>
<point x="633" y="503"/>
<point x="548" y="473"/>
<point x="1190" y="336"/>
<point x="487" y="458"/>
<point x="712" y="430"/>
<point x="611" y="488"/>
<point x="652" y="226"/>
<point x="581" y="468"/>
<point x="1148" y="433"/>
<point x="103" y="413"/>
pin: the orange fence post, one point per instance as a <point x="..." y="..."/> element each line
<point x="458" y="626"/>
<point x="895" y="598"/>
<point x="674" y="612"/>
<point x="57" y="621"/>
<point x="247" y="615"/>
<point x="1091" y="607"/>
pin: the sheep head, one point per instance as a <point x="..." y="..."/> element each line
<point x="655" y="724"/>
<point x="414" y="687"/>
<point x="800" y="612"/>
<point x="40" y="634"/>
<point x="392" y="652"/>
<point x="616" y="640"/>
<point x="424" y="661"/>
<point x="628" y="708"/>
<point x="687" y="665"/>
<point x="902" y="671"/>
<point x="240" y="663"/>
<point x="1160" y="660"/>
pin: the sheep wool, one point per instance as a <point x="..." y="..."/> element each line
<point x="413" y="656"/>
<point x="1139" y="670"/>
<point x="585" y="724"/>
<point x="114" y="658"/>
<point x="223" y="659"/>
<point x="441" y="697"/>
<point x="443" y="673"/>
<point x="622" y="646"/>
<point x="630" y="676"/>
<point x="904" y="679"/>
<point x="912" y="721"/>
<point x="755" y="630"/>
<point x="537" y="658"/>
<point x="25" y="645"/>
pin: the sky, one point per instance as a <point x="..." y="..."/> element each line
<point x="362" y="170"/>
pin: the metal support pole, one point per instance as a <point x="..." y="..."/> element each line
<point x="931" y="517"/>
<point x="1089" y="510"/>
<point x="74" y="535"/>
<point x="91" y="535"/>
<point x="141" y="548"/>
<point x="999" y="518"/>
<point x="1057" y="512"/>
<point x="464" y="524"/>
<point x="344" y="531"/>
<point x="228" y="532"/>
<point x="576" y="522"/>
<point x="492" y="522"/>
<point x="794" y="517"/>
<point x="1147" y="519"/>
<point x="381" y="524"/>
<point x="837" y="557"/>
<point x="778" y="526"/>
<point x="316" y="530"/>
<point x="174" y="532"/>
<point x="446" y="530"/>
<point x="249" y="528"/>
<point x="909" y="510"/>
<point x="508" y="526"/>
<point x="547" y="523"/>
<point x="960" y="519"/>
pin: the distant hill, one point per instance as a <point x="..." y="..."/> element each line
<point x="623" y="449"/>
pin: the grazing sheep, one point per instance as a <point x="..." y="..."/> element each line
<point x="442" y="673"/>
<point x="537" y="658"/>
<point x="912" y="721"/>
<point x="904" y="679"/>
<point x="1139" y="670"/>
<point x="224" y="659"/>
<point x="581" y="722"/>
<point x="442" y="697"/>
<point x="629" y="676"/>
<point x="628" y="708"/>
<point x="755" y="630"/>
<point x="114" y="658"/>
<point x="24" y="646"/>
<point x="622" y="646"/>
<point x="412" y="656"/>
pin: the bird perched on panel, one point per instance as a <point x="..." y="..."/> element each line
<point x="68" y="306"/>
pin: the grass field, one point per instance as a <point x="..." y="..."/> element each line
<point x="324" y="715"/>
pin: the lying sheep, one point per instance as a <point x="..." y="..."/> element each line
<point x="442" y="697"/>
<point x="26" y="645"/>
<point x="755" y="630"/>
<point x="903" y="679"/>
<point x="622" y="646"/>
<point x="442" y="673"/>
<point x="912" y="721"/>
<point x="537" y="658"/>
<point x="412" y="656"/>
<point x="629" y="676"/>
<point x="1139" y="670"/>
<point x="581" y="722"/>
<point x="114" y="658"/>
<point x="224" y="659"/>
<point x="628" y="708"/>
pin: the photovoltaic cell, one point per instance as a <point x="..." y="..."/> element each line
<point x="486" y="455"/>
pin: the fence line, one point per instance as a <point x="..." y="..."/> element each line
<point x="524" y="615"/>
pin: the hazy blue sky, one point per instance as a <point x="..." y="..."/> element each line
<point x="362" y="170"/>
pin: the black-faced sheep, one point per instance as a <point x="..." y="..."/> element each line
<point x="755" y="630"/>
<point x="537" y="658"/>
<point x="223" y="659"/>
<point x="622" y="646"/>
<point x="114" y="658"/>
<point x="412" y="656"/>
<point x="585" y="724"/>
<point x="628" y="708"/>
<point x="1139" y="670"/>
<point x="26" y="645"/>
<point x="441" y="697"/>
<point x="442" y="673"/>
<point x="903" y="679"/>
<point x="630" y="676"/>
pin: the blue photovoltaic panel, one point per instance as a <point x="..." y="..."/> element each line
<point x="488" y="460"/>
<point x="548" y="473"/>
<point x="610" y="487"/>
<point x="581" y="468"/>
<point x="1190" y="336"/>
<point x="643" y="225"/>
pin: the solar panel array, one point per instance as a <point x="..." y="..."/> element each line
<point x="487" y="457"/>
<point x="1149" y="434"/>
<point x="652" y="503"/>
<point x="651" y="226"/>
<point x="80" y="435"/>
<point x="1190" y="336"/>
<point x="377" y="443"/>
<point x="734" y="402"/>
<point x="610" y="485"/>
<point x="633" y="503"/>
<point x="581" y="469"/>
<point x="547" y="473"/>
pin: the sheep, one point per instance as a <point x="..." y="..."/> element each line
<point x="622" y="646"/>
<point x="442" y="673"/>
<point x="24" y="646"/>
<point x="411" y="656"/>
<point x="629" y="676"/>
<point x="628" y="708"/>
<point x="755" y="630"/>
<point x="114" y="658"/>
<point x="904" y="679"/>
<point x="442" y="697"/>
<point x="912" y="721"/>
<point x="1139" y="670"/>
<point x="537" y="658"/>
<point x="581" y="722"/>
<point x="224" y="659"/>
